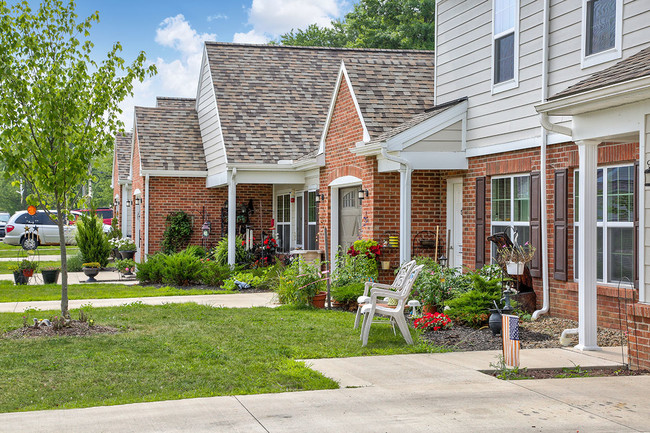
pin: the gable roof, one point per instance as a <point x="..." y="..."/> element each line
<point x="123" y="154"/>
<point x="173" y="102"/>
<point x="635" y="66"/>
<point x="273" y="100"/>
<point x="169" y="138"/>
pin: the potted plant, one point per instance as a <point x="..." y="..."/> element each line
<point x="50" y="274"/>
<point x="125" y="246"/>
<point x="515" y="257"/>
<point x="27" y="267"/>
<point x="125" y="266"/>
<point x="91" y="270"/>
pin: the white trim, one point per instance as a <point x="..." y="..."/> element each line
<point x="146" y="220"/>
<point x="643" y="148"/>
<point x="217" y="180"/>
<point x="137" y="191"/>
<point x="345" y="181"/>
<point x="450" y="220"/>
<point x="435" y="55"/>
<point x="174" y="173"/>
<point x="616" y="52"/>
<point x="526" y="143"/>
<point x="330" y="113"/>
<point x="514" y="82"/>
<point x="214" y="96"/>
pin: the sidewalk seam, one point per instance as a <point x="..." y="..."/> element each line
<point x="251" y="414"/>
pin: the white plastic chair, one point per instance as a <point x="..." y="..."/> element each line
<point x="398" y="284"/>
<point x="395" y="313"/>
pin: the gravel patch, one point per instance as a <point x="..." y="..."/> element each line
<point x="75" y="328"/>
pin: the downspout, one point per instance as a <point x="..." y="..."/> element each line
<point x="232" y="218"/>
<point x="545" y="283"/>
<point x="146" y="220"/>
<point x="405" y="205"/>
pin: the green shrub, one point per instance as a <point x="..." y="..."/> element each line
<point x="93" y="244"/>
<point x="177" y="233"/>
<point x="151" y="271"/>
<point x="75" y="263"/>
<point x="299" y="282"/>
<point x="182" y="269"/>
<point x="196" y="251"/>
<point x="354" y="269"/>
<point x="472" y="307"/>
<point x="220" y="252"/>
<point x="214" y="274"/>
<point x="347" y="295"/>
<point x="244" y="277"/>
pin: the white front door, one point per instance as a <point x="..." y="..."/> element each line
<point x="350" y="217"/>
<point x="138" y="255"/>
<point x="455" y="222"/>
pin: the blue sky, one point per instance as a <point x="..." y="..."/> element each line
<point x="172" y="32"/>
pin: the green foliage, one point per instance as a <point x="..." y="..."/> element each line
<point x="354" y="269"/>
<point x="151" y="271"/>
<point x="214" y="274"/>
<point x="196" y="251"/>
<point x="502" y="371"/>
<point x="472" y="307"/>
<point x="347" y="295"/>
<point x="75" y="262"/>
<point x="437" y="284"/>
<point x="394" y="24"/>
<point x="177" y="232"/>
<point x="59" y="108"/>
<point x="299" y="282"/>
<point x="115" y="232"/>
<point x="123" y="265"/>
<point x="244" y="277"/>
<point x="92" y="242"/>
<point x="182" y="269"/>
<point x="220" y="252"/>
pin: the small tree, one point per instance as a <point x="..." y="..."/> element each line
<point x="58" y="107"/>
<point x="93" y="244"/>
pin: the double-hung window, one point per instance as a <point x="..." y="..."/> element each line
<point x="615" y="224"/>
<point x="505" y="44"/>
<point x="283" y="213"/>
<point x="312" y="221"/>
<point x="601" y="31"/>
<point x="511" y="207"/>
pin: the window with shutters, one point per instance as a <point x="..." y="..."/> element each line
<point x="283" y="222"/>
<point x="615" y="224"/>
<point x="511" y="207"/>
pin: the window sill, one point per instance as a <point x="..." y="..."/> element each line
<point x="504" y="85"/>
<point x="601" y="57"/>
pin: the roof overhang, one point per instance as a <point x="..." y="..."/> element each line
<point x="615" y="95"/>
<point x="174" y="173"/>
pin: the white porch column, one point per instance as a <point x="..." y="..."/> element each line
<point x="405" y="214"/>
<point x="587" y="307"/>
<point x="232" y="217"/>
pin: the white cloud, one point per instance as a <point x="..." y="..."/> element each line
<point x="272" y="18"/>
<point x="217" y="17"/>
<point x="176" y="32"/>
<point x="251" y="37"/>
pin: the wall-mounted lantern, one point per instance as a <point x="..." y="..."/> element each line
<point x="319" y="197"/>
<point x="138" y="200"/>
<point x="205" y="229"/>
<point x="128" y="203"/>
<point x="647" y="172"/>
<point x="362" y="193"/>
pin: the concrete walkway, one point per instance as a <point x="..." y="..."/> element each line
<point x="235" y="300"/>
<point x="112" y="277"/>
<point x="418" y="393"/>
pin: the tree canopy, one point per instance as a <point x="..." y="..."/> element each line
<point x="394" y="24"/>
<point x="58" y="106"/>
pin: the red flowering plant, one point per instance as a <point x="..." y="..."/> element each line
<point x="433" y="321"/>
<point x="370" y="248"/>
<point x="264" y="253"/>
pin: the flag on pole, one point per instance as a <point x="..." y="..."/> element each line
<point x="510" y="335"/>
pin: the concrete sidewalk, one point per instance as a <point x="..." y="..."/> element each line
<point x="112" y="277"/>
<point x="420" y="393"/>
<point x="235" y="300"/>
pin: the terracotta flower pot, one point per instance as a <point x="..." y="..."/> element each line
<point x="429" y="309"/>
<point x="28" y="272"/>
<point x="318" y="300"/>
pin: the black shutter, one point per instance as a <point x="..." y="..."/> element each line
<point x="636" y="187"/>
<point x="480" y="222"/>
<point x="536" y="223"/>
<point x="560" y="226"/>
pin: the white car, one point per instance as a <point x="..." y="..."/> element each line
<point x="4" y="217"/>
<point x="30" y="231"/>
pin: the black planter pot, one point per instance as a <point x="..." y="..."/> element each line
<point x="91" y="273"/>
<point x="495" y="320"/>
<point x="19" y="278"/>
<point x="50" y="276"/>
<point x="127" y="254"/>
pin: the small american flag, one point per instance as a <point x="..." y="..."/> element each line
<point x="510" y="335"/>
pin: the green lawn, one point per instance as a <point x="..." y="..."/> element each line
<point x="52" y="292"/>
<point x="179" y="351"/>
<point x="12" y="251"/>
<point x="6" y="267"/>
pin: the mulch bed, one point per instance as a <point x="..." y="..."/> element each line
<point x="74" y="328"/>
<point x="565" y="373"/>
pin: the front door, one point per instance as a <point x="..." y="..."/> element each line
<point x="138" y="255"/>
<point x="455" y="227"/>
<point x="350" y="217"/>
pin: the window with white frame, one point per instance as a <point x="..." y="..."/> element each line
<point x="283" y="214"/>
<point x="601" y="31"/>
<point x="615" y="224"/>
<point x="312" y="220"/>
<point x="505" y="43"/>
<point x="511" y="207"/>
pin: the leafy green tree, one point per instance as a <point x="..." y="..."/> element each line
<point x="58" y="107"/>
<point x="394" y="24"/>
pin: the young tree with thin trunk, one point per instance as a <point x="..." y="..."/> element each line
<point x="58" y="107"/>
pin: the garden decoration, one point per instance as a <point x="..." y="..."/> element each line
<point x="91" y="270"/>
<point x="125" y="246"/>
<point x="50" y="274"/>
<point x="27" y="267"/>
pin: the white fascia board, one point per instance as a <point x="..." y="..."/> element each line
<point x="213" y="95"/>
<point x="608" y="124"/>
<point x="266" y="177"/>
<point x="174" y="173"/>
<point x="430" y="126"/>
<point x="363" y="149"/>
<point x="527" y="143"/>
<point x="217" y="180"/>
<point x="133" y="136"/>
<point x="311" y="163"/>
<point x="605" y="97"/>
<point x="124" y="182"/>
<point x="343" y="73"/>
<point x="436" y="160"/>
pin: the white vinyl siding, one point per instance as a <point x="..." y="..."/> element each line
<point x="211" y="134"/>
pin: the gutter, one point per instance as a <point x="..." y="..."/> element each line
<point x="405" y="205"/>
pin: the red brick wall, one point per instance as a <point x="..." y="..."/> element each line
<point x="639" y="336"/>
<point x="137" y="183"/>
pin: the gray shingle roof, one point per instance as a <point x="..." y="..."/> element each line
<point x="169" y="138"/>
<point x="273" y="100"/>
<point x="172" y="102"/>
<point x="635" y="66"/>
<point x="123" y="155"/>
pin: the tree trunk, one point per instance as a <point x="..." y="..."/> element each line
<point x="61" y="220"/>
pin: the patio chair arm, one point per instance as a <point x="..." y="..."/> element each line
<point x="376" y="292"/>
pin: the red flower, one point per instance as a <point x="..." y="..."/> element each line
<point x="266" y="241"/>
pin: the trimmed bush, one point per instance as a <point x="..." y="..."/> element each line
<point x="347" y="295"/>
<point x="93" y="244"/>
<point x="472" y="307"/>
<point x="151" y="271"/>
<point x="75" y="263"/>
<point x="182" y="269"/>
<point x="299" y="282"/>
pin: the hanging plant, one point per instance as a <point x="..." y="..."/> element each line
<point x="177" y="232"/>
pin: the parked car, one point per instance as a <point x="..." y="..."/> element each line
<point x="4" y="217"/>
<point x="44" y="230"/>
<point x="104" y="213"/>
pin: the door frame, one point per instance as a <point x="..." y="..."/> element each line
<point x="450" y="217"/>
<point x="335" y="186"/>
